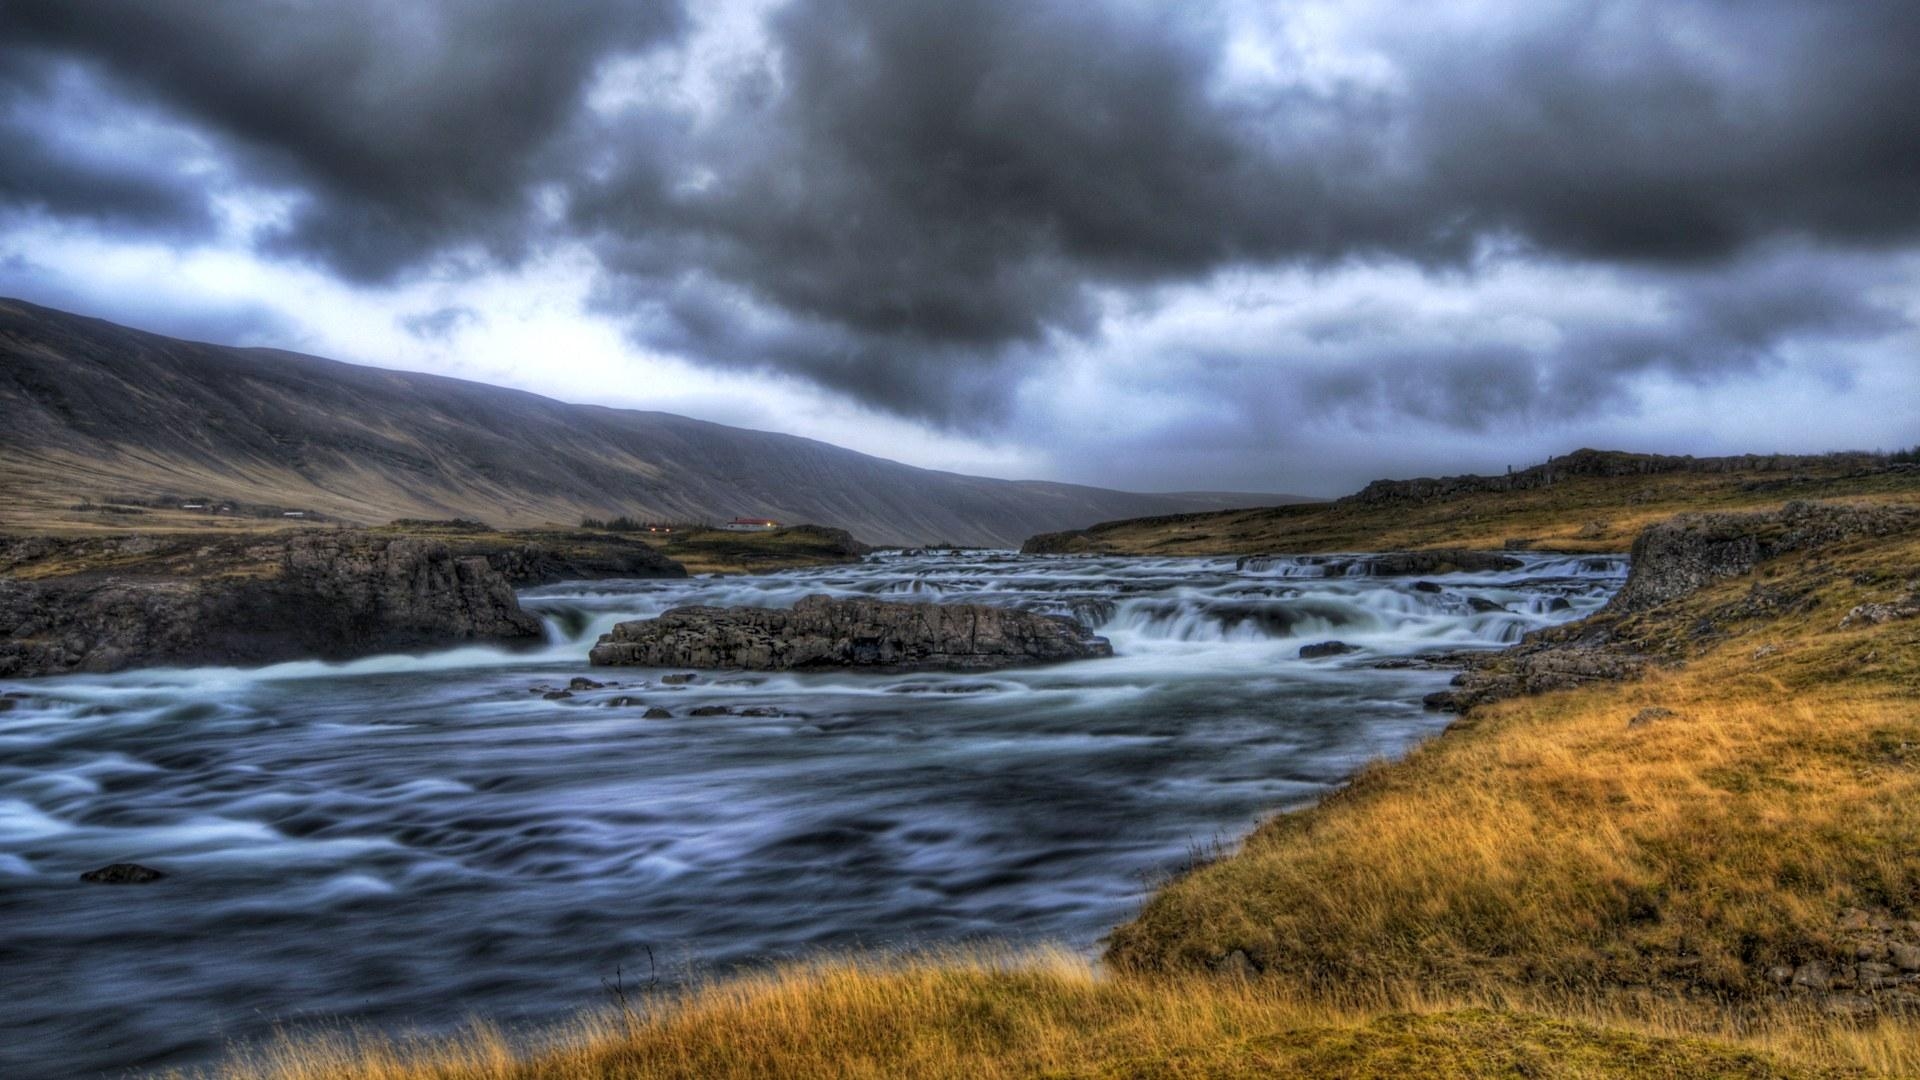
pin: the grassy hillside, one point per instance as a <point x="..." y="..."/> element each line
<point x="1586" y="501"/>
<point x="108" y="427"/>
<point x="1722" y="832"/>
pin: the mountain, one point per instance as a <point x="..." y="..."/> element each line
<point x="97" y="412"/>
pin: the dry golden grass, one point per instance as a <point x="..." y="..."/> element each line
<point x="1049" y="1016"/>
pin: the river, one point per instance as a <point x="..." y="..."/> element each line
<point x="409" y="841"/>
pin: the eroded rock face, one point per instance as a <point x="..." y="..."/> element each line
<point x="822" y="632"/>
<point x="329" y="594"/>
<point x="1689" y="552"/>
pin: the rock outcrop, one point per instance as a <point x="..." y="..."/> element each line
<point x="1645" y="622"/>
<point x="1674" y="558"/>
<point x="105" y="604"/>
<point x="822" y="632"/>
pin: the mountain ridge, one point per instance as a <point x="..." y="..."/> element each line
<point x="98" y="410"/>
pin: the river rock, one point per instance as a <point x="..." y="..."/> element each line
<point x="122" y="873"/>
<point x="823" y="632"/>
<point x="656" y="713"/>
<point x="1326" y="648"/>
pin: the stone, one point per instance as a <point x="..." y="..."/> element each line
<point x="1812" y="975"/>
<point x="582" y="683"/>
<point x="1483" y="606"/>
<point x="1853" y="921"/>
<point x="557" y="695"/>
<point x="1651" y="714"/>
<point x="1559" y="603"/>
<point x="657" y="713"/>
<point x="1880" y="614"/>
<point x="1237" y="964"/>
<point x="1326" y="648"/>
<point x="676" y="680"/>
<point x="824" y="632"/>
<point x="122" y="873"/>
<point x="761" y="711"/>
<point x="710" y="710"/>
<point x="1780" y="974"/>
<point x="1905" y="957"/>
<point x="1428" y="587"/>
<point x="623" y="701"/>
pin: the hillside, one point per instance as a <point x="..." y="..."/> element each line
<point x="99" y="414"/>
<point x="1586" y="501"/>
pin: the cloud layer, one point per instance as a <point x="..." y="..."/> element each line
<point x="1436" y="226"/>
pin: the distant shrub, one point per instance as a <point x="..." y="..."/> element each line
<point x="1905" y="457"/>
<point x="622" y="523"/>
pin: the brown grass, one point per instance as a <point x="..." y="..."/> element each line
<point x="1049" y="1015"/>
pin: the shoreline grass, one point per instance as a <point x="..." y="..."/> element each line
<point x="1051" y="1014"/>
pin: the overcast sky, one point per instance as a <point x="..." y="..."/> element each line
<point x="1237" y="245"/>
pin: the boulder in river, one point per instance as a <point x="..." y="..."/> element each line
<point x="122" y="873"/>
<point x="823" y="632"/>
<point x="1326" y="648"/>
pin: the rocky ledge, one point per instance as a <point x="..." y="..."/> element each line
<point x="100" y="604"/>
<point x="822" y="632"/>
<point x="1649" y="620"/>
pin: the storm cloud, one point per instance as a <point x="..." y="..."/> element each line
<point x="972" y="213"/>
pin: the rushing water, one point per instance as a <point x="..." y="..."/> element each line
<point x="412" y="841"/>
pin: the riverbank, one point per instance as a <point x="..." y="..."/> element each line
<point x="1717" y="848"/>
<point x="102" y="601"/>
<point x="1586" y="501"/>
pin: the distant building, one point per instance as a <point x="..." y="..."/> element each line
<point x="750" y="525"/>
<point x="294" y="513"/>
<point x="193" y="506"/>
<point x="659" y="528"/>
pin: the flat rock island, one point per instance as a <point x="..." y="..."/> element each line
<point x="823" y="632"/>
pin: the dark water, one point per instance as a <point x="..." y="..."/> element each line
<point x="411" y="841"/>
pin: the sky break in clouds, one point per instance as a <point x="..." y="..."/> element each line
<point x="1228" y="245"/>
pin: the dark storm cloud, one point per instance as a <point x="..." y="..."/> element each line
<point x="932" y="188"/>
<point x="43" y="169"/>
<point x="914" y="204"/>
<point x="1712" y="324"/>
<point x="405" y="127"/>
